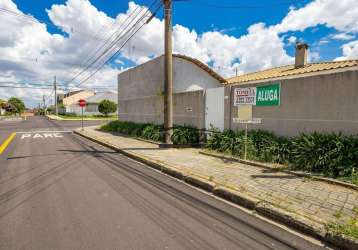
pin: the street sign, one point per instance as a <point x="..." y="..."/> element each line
<point x="82" y="103"/>
<point x="269" y="95"/>
<point x="244" y="121"/>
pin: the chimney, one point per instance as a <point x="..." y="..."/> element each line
<point x="301" y="55"/>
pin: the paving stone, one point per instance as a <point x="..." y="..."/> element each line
<point x="314" y="199"/>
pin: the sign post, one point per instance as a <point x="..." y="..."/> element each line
<point x="82" y="104"/>
<point x="246" y="122"/>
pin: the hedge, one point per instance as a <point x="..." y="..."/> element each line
<point x="181" y="134"/>
<point x="333" y="155"/>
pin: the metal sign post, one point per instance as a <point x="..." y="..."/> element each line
<point x="246" y="122"/>
<point x="82" y="117"/>
<point x="82" y="104"/>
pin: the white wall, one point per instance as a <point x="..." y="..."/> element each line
<point x="140" y="90"/>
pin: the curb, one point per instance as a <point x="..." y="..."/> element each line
<point x="300" y="174"/>
<point x="263" y="208"/>
<point x="79" y="119"/>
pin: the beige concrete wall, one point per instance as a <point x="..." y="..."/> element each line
<point x="322" y="103"/>
<point x="140" y="92"/>
<point x="188" y="109"/>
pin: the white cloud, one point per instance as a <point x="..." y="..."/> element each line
<point x="350" y="51"/>
<point x="261" y="47"/>
<point x="292" y="40"/>
<point x="342" y="36"/>
<point x="341" y="15"/>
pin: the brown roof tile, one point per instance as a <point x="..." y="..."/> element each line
<point x="290" y="70"/>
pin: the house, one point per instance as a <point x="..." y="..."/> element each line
<point x="140" y="91"/>
<point x="92" y="103"/>
<point x="2" y="107"/>
<point x="292" y="99"/>
<point x="70" y="100"/>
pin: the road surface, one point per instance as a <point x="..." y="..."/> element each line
<point x="60" y="191"/>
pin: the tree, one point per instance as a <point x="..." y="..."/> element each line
<point x="16" y="105"/>
<point x="106" y="107"/>
<point x="2" y="103"/>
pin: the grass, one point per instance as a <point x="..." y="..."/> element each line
<point x="338" y="214"/>
<point x="350" y="228"/>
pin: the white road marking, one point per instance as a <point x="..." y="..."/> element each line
<point x="41" y="135"/>
<point x="41" y="132"/>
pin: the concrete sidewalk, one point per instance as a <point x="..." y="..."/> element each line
<point x="303" y="200"/>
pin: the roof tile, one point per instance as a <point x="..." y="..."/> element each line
<point x="290" y="70"/>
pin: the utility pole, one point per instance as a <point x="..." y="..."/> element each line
<point x="168" y="73"/>
<point x="55" y="88"/>
<point x="44" y="104"/>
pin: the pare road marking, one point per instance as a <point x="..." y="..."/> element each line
<point x="40" y="135"/>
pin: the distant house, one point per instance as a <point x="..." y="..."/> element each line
<point x="2" y="107"/>
<point x="70" y="100"/>
<point x="92" y="103"/>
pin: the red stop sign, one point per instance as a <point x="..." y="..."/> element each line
<point x="82" y="103"/>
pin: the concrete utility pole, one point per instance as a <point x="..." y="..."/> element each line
<point x="55" y="88"/>
<point x="43" y="101"/>
<point x="168" y="73"/>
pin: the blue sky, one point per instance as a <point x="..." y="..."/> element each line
<point x="228" y="16"/>
<point x="228" y="35"/>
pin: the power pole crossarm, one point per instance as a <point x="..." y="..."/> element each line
<point x="168" y="73"/>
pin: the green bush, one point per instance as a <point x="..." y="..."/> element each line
<point x="106" y="107"/>
<point x="331" y="154"/>
<point x="181" y="134"/>
<point x="185" y="135"/>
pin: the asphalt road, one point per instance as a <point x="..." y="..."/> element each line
<point x="60" y="191"/>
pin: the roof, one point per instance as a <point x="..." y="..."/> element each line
<point x="98" y="97"/>
<point x="203" y="66"/>
<point x="290" y="70"/>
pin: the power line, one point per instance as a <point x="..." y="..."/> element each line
<point x="108" y="50"/>
<point x="118" y="50"/>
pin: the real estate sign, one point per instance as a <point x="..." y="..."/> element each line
<point x="269" y="95"/>
<point x="245" y="96"/>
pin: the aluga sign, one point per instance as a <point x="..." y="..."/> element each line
<point x="268" y="95"/>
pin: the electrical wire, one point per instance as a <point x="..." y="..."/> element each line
<point x="113" y="43"/>
<point x="108" y="51"/>
<point x="116" y="53"/>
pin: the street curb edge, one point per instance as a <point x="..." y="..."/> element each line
<point x="263" y="208"/>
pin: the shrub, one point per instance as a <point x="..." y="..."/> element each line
<point x="185" y="135"/>
<point x="181" y="134"/>
<point x="106" y="107"/>
<point x="331" y="154"/>
<point x="152" y="132"/>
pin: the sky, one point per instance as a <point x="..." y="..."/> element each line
<point x="41" y="39"/>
